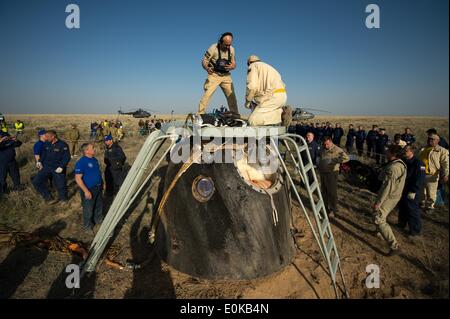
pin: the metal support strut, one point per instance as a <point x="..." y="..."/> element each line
<point x="136" y="179"/>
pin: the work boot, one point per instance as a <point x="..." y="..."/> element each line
<point x="379" y="235"/>
<point x="96" y="228"/>
<point x="89" y="229"/>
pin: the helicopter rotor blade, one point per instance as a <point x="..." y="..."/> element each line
<point x="316" y="110"/>
<point x="150" y="110"/>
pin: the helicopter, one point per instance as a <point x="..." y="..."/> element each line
<point x="300" y="113"/>
<point x="139" y="113"/>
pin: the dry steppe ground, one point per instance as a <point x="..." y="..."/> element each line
<point x="420" y="271"/>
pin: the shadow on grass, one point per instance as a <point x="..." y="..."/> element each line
<point x="19" y="262"/>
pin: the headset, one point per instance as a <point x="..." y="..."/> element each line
<point x="220" y="63"/>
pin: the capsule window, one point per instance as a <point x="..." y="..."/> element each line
<point x="203" y="188"/>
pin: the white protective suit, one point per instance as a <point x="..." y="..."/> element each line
<point x="265" y="87"/>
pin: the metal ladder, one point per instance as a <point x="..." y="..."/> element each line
<point x="136" y="179"/>
<point x="322" y="229"/>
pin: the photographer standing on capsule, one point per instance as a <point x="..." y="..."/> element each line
<point x="218" y="61"/>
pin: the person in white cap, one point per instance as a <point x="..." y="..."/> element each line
<point x="436" y="167"/>
<point x="266" y="93"/>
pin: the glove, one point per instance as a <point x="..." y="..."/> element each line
<point x="39" y="165"/>
<point x="59" y="170"/>
<point x="411" y="196"/>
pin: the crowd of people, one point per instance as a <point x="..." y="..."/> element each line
<point x="411" y="177"/>
<point x="148" y="126"/>
<point x="107" y="127"/>
<point x="52" y="156"/>
<point x="372" y="144"/>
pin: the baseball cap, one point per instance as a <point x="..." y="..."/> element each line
<point x="42" y="132"/>
<point x="107" y="138"/>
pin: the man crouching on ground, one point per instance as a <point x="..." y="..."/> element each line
<point x="393" y="177"/>
<point x="89" y="178"/>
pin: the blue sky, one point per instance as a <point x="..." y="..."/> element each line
<point x="147" y="54"/>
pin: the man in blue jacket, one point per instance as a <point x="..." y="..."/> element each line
<point x="371" y="139"/>
<point x="409" y="210"/>
<point x="8" y="163"/>
<point x="328" y="130"/>
<point x="319" y="132"/>
<point x="38" y="148"/>
<point x="351" y="135"/>
<point x="360" y="139"/>
<point x="380" y="146"/>
<point x="338" y="132"/>
<point x="313" y="148"/>
<point x="55" y="158"/>
<point x="89" y="178"/>
<point x="408" y="137"/>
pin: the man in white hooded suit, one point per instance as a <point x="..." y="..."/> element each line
<point x="266" y="93"/>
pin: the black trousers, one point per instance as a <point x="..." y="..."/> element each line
<point x="370" y="149"/>
<point x="360" y="147"/>
<point x="410" y="214"/>
<point x="380" y="157"/>
<point x="12" y="168"/>
<point x="113" y="180"/>
<point x="337" y="141"/>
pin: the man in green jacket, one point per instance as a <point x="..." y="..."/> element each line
<point x="74" y="137"/>
<point x="331" y="156"/>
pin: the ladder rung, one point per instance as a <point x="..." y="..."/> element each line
<point x="324" y="226"/>
<point x="319" y="206"/>
<point x="308" y="167"/>
<point x="314" y="186"/>
<point x="330" y="245"/>
<point x="334" y="265"/>
<point x="303" y="148"/>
